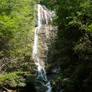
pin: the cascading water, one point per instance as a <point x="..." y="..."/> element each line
<point x="43" y="18"/>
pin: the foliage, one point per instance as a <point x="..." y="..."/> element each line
<point x="14" y="79"/>
<point x="17" y="22"/>
<point x="17" y="18"/>
<point x="73" y="46"/>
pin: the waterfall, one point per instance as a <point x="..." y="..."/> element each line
<point x="44" y="17"/>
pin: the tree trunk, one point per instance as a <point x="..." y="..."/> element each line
<point x="8" y="90"/>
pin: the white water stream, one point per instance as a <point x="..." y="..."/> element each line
<point x="44" y="17"/>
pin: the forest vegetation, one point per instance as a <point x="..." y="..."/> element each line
<point x="70" y="52"/>
<point x="17" y="22"/>
<point x="72" y="48"/>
